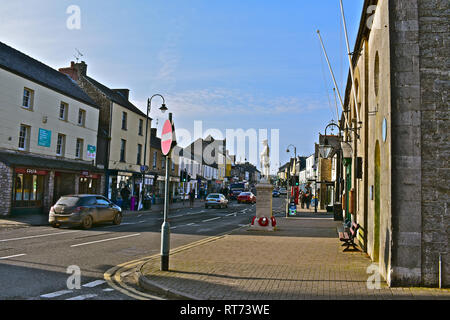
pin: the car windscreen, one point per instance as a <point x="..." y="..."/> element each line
<point x="237" y="186"/>
<point x="245" y="194"/>
<point x="213" y="196"/>
<point x="68" y="201"/>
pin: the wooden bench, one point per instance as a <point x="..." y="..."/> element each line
<point x="349" y="237"/>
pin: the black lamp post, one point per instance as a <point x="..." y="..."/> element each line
<point x="325" y="151"/>
<point x="289" y="178"/>
<point x="145" y="168"/>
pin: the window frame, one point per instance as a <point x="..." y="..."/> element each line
<point x="124" y="120"/>
<point x="26" y="138"/>
<point x="81" y="112"/>
<point x="139" y="154"/>
<point x="123" y="150"/>
<point x="60" y="145"/>
<point x="141" y="127"/>
<point x="66" y="111"/>
<point x="30" y="98"/>
<point x="79" y="148"/>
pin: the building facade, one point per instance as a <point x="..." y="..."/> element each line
<point x="396" y="178"/>
<point x="49" y="129"/>
<point x="121" y="134"/>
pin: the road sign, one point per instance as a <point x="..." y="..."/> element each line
<point x="166" y="137"/>
<point x="144" y="169"/>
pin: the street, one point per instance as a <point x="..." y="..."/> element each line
<point x="34" y="260"/>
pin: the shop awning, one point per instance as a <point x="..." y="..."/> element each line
<point x="27" y="160"/>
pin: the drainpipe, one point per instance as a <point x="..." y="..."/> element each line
<point x="440" y="271"/>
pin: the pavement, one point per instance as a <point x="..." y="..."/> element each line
<point x="302" y="259"/>
<point x="36" y="219"/>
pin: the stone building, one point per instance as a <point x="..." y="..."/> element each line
<point x="48" y="129"/>
<point x="121" y="133"/>
<point x="397" y="176"/>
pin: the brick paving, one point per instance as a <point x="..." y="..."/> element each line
<point x="303" y="259"/>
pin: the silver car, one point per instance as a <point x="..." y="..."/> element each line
<point x="84" y="210"/>
<point x="217" y="200"/>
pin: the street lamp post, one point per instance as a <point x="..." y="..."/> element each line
<point x="288" y="182"/>
<point x="145" y="168"/>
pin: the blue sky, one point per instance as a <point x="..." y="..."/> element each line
<point x="232" y="64"/>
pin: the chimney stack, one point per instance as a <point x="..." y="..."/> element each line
<point x="124" y="92"/>
<point x="75" y="70"/>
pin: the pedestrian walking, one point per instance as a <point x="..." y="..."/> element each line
<point x="191" y="197"/>
<point x="125" y="194"/>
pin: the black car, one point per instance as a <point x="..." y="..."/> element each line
<point x="84" y="210"/>
<point x="275" y="194"/>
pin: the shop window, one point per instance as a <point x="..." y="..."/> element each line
<point x="28" y="190"/>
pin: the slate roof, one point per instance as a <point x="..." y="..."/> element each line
<point x="115" y="96"/>
<point x="22" y="65"/>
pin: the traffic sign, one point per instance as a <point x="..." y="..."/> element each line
<point x="166" y="137"/>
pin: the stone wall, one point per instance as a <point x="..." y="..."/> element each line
<point x="6" y="179"/>
<point x="406" y="144"/>
<point x="434" y="59"/>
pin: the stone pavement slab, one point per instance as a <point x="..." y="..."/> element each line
<point x="303" y="259"/>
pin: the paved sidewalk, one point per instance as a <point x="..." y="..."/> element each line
<point x="303" y="259"/>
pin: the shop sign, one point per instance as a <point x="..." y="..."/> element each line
<point x="127" y="174"/>
<point x="44" y="138"/>
<point x="31" y="171"/>
<point x="91" y="151"/>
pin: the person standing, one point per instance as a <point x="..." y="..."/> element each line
<point x="125" y="194"/>
<point x="191" y="197"/>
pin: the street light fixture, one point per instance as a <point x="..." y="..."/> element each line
<point x="145" y="168"/>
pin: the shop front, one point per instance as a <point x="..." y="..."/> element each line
<point x="28" y="190"/>
<point x="89" y="183"/>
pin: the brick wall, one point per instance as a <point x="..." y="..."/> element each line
<point x="434" y="87"/>
<point x="6" y="179"/>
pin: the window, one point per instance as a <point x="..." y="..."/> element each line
<point x="124" y="121"/>
<point x="173" y="165"/>
<point x="63" y="110"/>
<point x="123" y="145"/>
<point x="155" y="154"/>
<point x="139" y="153"/>
<point x="81" y="117"/>
<point x="79" y="149"/>
<point x="60" y="145"/>
<point x="27" y="98"/>
<point x="163" y="162"/>
<point x="24" y="137"/>
<point x="141" y="126"/>
<point x="377" y="74"/>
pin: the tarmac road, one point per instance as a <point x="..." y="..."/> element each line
<point x="34" y="261"/>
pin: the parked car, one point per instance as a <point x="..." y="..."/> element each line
<point x="275" y="193"/>
<point x="84" y="210"/>
<point x="216" y="200"/>
<point x="246" y="197"/>
<point x="283" y="191"/>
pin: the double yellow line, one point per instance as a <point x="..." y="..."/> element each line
<point x="114" y="279"/>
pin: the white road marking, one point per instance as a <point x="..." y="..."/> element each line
<point x="110" y="239"/>
<point x="38" y="236"/>
<point x="173" y="227"/>
<point x="231" y="214"/>
<point x="56" y="294"/>
<point x="210" y="219"/>
<point x="108" y="289"/>
<point x="83" y="297"/>
<point x="13" y="256"/>
<point x="94" y="283"/>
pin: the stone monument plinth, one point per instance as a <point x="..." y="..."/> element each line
<point x="264" y="219"/>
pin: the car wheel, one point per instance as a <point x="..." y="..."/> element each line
<point x="117" y="219"/>
<point x="55" y="225"/>
<point x="87" y="222"/>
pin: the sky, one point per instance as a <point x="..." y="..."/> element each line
<point x="233" y="64"/>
